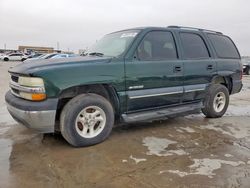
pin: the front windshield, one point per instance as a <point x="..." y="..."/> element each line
<point x="113" y="44"/>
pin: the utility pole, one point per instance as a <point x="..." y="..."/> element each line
<point x="4" y="46"/>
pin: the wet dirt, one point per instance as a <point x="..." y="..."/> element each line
<point x="189" y="151"/>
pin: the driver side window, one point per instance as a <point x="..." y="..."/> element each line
<point x="157" y="46"/>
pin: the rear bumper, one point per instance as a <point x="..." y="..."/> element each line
<point x="35" y="115"/>
<point x="237" y="86"/>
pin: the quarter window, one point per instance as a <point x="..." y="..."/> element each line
<point x="224" y="46"/>
<point x="193" y="46"/>
<point x="157" y="46"/>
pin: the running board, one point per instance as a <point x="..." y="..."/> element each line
<point x="163" y="113"/>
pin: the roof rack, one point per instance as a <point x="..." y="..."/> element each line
<point x="193" y="28"/>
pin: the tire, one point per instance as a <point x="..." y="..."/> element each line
<point x="6" y="59"/>
<point x="216" y="101"/>
<point x="76" y="125"/>
<point x="23" y="59"/>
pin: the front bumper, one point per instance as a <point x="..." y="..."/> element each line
<point x="35" y="115"/>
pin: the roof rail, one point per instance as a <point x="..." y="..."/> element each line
<point x="193" y="28"/>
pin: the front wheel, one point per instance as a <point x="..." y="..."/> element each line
<point x="6" y="59"/>
<point x="216" y="101"/>
<point x="86" y="120"/>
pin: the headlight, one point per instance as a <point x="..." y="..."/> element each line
<point x="30" y="81"/>
<point x="30" y="88"/>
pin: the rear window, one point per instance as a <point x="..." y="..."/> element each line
<point x="224" y="46"/>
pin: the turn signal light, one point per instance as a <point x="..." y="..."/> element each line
<point x="38" y="96"/>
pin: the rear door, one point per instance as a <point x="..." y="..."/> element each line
<point x="199" y="66"/>
<point x="154" y="76"/>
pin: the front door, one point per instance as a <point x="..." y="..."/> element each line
<point x="154" y="76"/>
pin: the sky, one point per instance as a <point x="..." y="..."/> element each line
<point x="77" y="24"/>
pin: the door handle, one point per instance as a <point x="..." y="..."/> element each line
<point x="209" y="67"/>
<point x="177" y="68"/>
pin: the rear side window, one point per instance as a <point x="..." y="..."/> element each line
<point x="157" y="46"/>
<point x="193" y="46"/>
<point x="224" y="46"/>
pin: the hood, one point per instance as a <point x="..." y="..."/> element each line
<point x="27" y="68"/>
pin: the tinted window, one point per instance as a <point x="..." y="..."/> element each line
<point x="15" y="54"/>
<point x="193" y="46"/>
<point x="224" y="46"/>
<point x="157" y="45"/>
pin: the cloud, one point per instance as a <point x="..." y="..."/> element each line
<point x="77" y="24"/>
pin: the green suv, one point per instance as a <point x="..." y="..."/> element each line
<point x="133" y="75"/>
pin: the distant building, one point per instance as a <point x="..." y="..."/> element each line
<point x="7" y="50"/>
<point x="29" y="49"/>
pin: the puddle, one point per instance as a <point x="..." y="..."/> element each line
<point x="158" y="147"/>
<point x="5" y="117"/>
<point x="137" y="160"/>
<point x="3" y="130"/>
<point x="188" y="129"/>
<point x="241" y="110"/>
<point x="5" y="151"/>
<point x="242" y="131"/>
<point x="228" y="155"/>
<point x="205" y="167"/>
<point x="179" y="130"/>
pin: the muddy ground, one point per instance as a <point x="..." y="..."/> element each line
<point x="189" y="151"/>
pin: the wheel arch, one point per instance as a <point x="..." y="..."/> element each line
<point x="224" y="80"/>
<point x="105" y="90"/>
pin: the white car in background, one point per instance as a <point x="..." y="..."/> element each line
<point x="50" y="56"/>
<point x="14" y="57"/>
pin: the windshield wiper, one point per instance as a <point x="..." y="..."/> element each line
<point x="96" y="54"/>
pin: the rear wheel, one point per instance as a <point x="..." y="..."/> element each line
<point x="216" y="101"/>
<point x="86" y="120"/>
<point x="6" y="59"/>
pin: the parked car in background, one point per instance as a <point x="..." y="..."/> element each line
<point x="15" y="57"/>
<point x="34" y="55"/>
<point x="246" y="65"/>
<point x="1" y="55"/>
<point x="43" y="56"/>
<point x="63" y="56"/>
<point x="51" y="56"/>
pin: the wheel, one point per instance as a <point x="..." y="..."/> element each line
<point x="216" y="101"/>
<point x="23" y="59"/>
<point x="6" y="59"/>
<point x="86" y="120"/>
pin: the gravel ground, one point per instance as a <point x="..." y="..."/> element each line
<point x="189" y="151"/>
